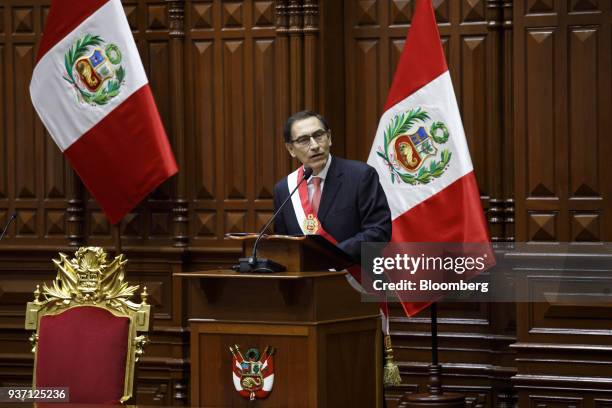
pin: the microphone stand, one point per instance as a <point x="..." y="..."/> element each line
<point x="13" y="216"/>
<point x="254" y="264"/>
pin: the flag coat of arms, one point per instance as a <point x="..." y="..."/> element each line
<point x="420" y="150"/>
<point x="91" y="92"/>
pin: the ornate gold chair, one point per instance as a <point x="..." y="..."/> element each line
<point x="87" y="330"/>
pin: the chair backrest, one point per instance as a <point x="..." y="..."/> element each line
<point x="87" y="330"/>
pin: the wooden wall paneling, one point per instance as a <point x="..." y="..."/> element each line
<point x="163" y="372"/>
<point x="266" y="122"/>
<point x="37" y="193"/>
<point x="498" y="165"/>
<point x="297" y="79"/>
<point x="16" y="289"/>
<point x="238" y="62"/>
<point x="562" y="55"/>
<point x="202" y="123"/>
<point x="41" y="190"/>
<point x="604" y="104"/>
<point x="55" y="188"/>
<point x="146" y="267"/>
<point x="264" y="129"/>
<point x="282" y="85"/>
<point x="27" y="145"/>
<point x="237" y="117"/>
<point x="311" y="53"/>
<point x="161" y="383"/>
<point x="551" y="319"/>
<point x="561" y="80"/>
<point x="331" y="71"/>
<point x="494" y="83"/>
<point x="4" y="184"/>
<point x="561" y="345"/>
<point x="7" y="123"/>
<point x="367" y="78"/>
<point x="507" y="121"/>
<point x="296" y="52"/>
<point x="4" y="159"/>
<point x="235" y="144"/>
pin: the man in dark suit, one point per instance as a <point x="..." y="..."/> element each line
<point x="343" y="198"/>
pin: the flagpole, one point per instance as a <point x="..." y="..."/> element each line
<point x="435" y="397"/>
<point x="117" y="238"/>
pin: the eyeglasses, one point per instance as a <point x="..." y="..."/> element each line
<point x="304" y="141"/>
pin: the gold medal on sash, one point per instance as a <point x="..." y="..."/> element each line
<point x="311" y="224"/>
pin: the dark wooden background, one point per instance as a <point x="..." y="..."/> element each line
<point x="533" y="81"/>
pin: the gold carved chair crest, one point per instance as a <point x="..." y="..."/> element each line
<point x="88" y="333"/>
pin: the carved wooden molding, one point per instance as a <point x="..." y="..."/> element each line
<point x="180" y="211"/>
<point x="281" y="13"/>
<point x="176" y="13"/>
<point x="507" y="7"/>
<point x="297" y="16"/>
<point x="494" y="14"/>
<point x="500" y="213"/>
<point x="311" y="16"/>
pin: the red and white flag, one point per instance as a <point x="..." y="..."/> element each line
<point x="420" y="150"/>
<point x="92" y="94"/>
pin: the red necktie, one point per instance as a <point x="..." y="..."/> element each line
<point x="316" y="196"/>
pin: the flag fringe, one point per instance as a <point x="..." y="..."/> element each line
<point x="391" y="374"/>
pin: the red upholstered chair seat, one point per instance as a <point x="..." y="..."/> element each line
<point x="85" y="349"/>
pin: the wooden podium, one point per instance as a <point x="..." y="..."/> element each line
<point x="328" y="342"/>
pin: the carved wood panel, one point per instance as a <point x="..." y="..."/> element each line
<point x="237" y="94"/>
<point x="563" y="100"/>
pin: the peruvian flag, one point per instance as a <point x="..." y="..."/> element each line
<point x="420" y="150"/>
<point x="92" y="94"/>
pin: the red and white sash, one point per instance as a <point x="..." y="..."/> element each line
<point x="306" y="217"/>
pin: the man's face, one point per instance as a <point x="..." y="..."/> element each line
<point x="315" y="152"/>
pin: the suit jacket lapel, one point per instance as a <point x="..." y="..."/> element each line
<point x="333" y="181"/>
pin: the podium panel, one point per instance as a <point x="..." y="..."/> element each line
<point x="314" y="366"/>
<point x="328" y="343"/>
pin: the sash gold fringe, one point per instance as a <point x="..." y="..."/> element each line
<point x="391" y="374"/>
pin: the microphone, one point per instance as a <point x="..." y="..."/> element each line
<point x="253" y="264"/>
<point x="11" y="219"/>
